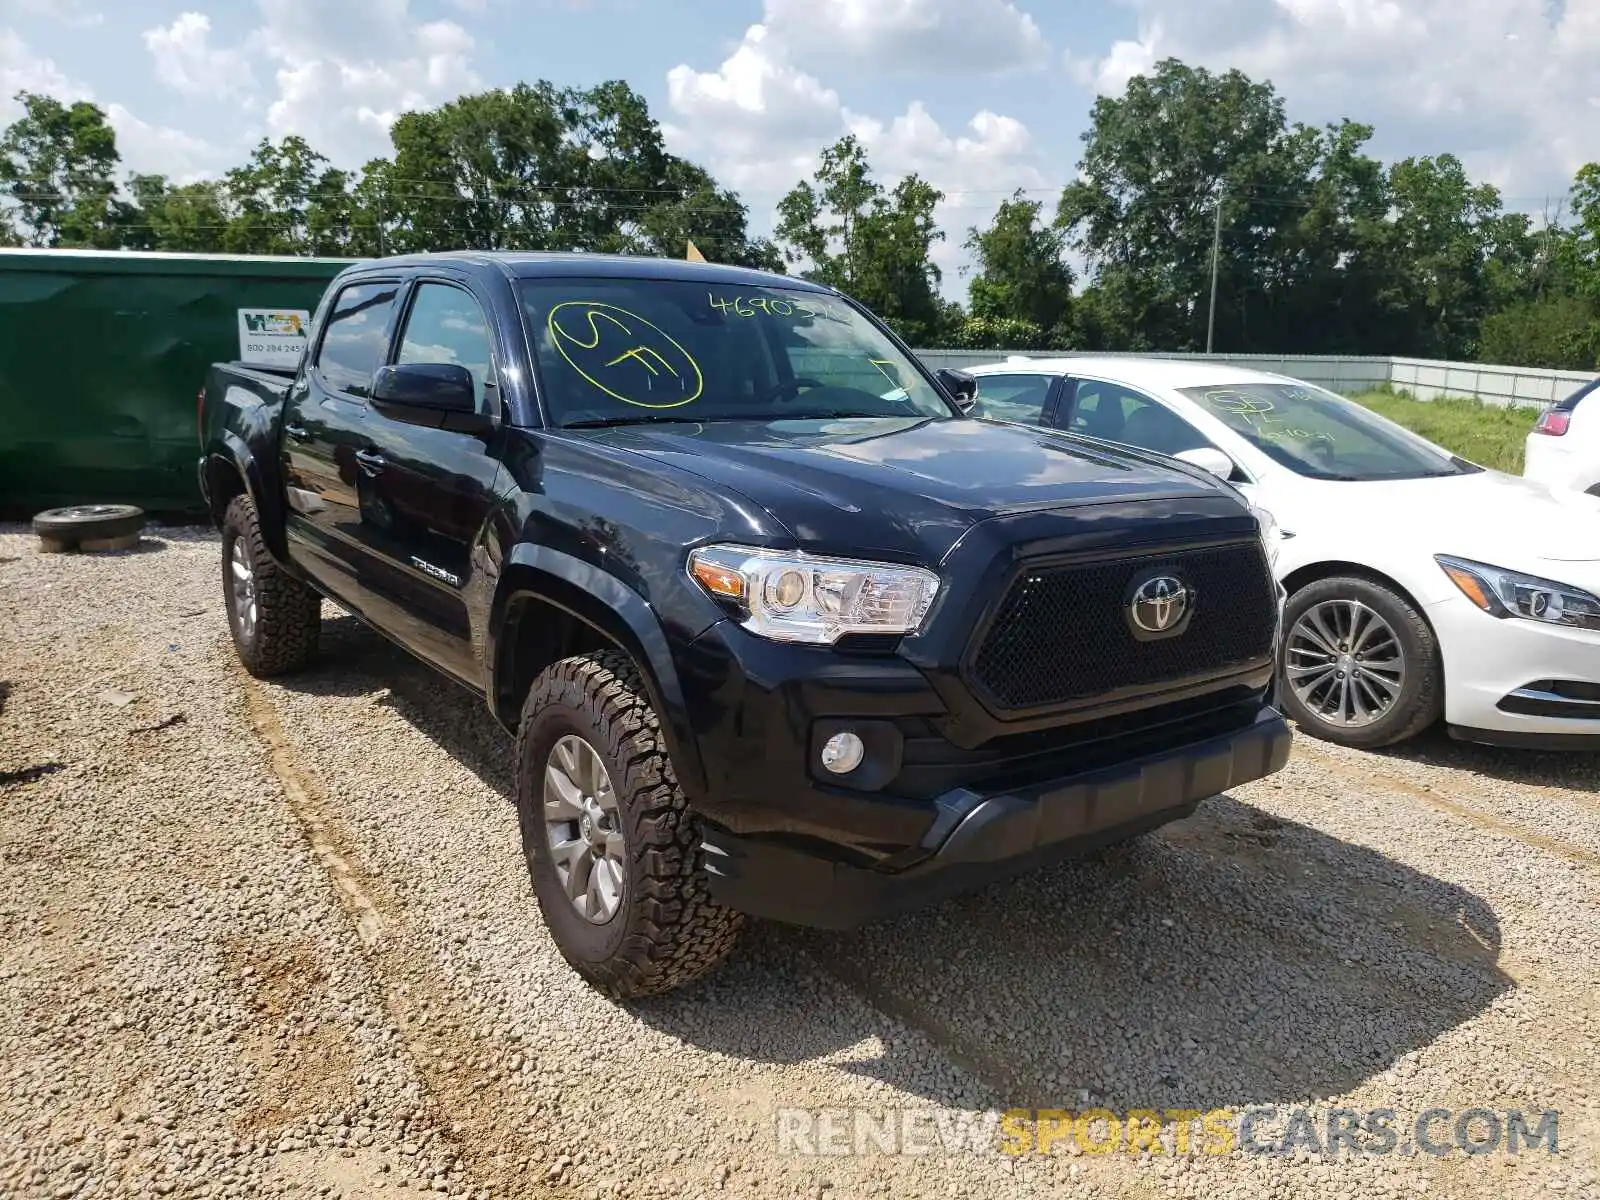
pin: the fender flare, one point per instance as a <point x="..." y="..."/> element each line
<point x="620" y="615"/>
<point x="233" y="451"/>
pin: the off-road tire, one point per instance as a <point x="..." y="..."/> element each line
<point x="1421" y="700"/>
<point x="288" y="613"/>
<point x="668" y="930"/>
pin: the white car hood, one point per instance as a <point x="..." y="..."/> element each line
<point x="1487" y="515"/>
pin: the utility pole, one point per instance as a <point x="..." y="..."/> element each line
<point x="1216" y="255"/>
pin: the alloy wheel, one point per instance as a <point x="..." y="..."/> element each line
<point x="243" y="579"/>
<point x="584" y="828"/>
<point x="1344" y="663"/>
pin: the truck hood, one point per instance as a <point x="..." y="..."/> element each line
<point x="906" y="488"/>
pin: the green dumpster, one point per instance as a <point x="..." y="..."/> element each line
<point x="102" y="356"/>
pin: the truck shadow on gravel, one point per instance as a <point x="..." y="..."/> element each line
<point x="1226" y="960"/>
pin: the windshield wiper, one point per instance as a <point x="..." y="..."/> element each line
<point x="841" y="414"/>
<point x="654" y="419"/>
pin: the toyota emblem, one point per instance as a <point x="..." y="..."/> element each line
<point x="1159" y="606"/>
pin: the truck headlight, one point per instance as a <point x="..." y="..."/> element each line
<point x="795" y="597"/>
<point x="1502" y="593"/>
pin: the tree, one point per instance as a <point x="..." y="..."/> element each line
<point x="694" y="208"/>
<point x="57" y="165"/>
<point x="287" y="199"/>
<point x="190" y="219"/>
<point x="1560" y="332"/>
<point x="871" y="244"/>
<point x="1579" y="254"/>
<point x="1023" y="288"/>
<point x="536" y="167"/>
<point x="1443" y="232"/>
<point x="1156" y="164"/>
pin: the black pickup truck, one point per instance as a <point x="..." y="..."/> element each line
<point x="780" y="629"/>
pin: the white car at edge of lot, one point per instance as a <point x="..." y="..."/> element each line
<point x="1563" y="449"/>
<point x="1420" y="586"/>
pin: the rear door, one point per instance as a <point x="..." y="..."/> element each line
<point x="427" y="493"/>
<point x="1114" y="412"/>
<point x="324" y="443"/>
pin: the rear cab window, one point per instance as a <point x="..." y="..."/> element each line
<point x="355" y="337"/>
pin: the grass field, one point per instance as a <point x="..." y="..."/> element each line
<point x="1488" y="436"/>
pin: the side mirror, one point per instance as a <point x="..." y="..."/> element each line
<point x="438" y="395"/>
<point x="963" y="388"/>
<point x="1208" y="458"/>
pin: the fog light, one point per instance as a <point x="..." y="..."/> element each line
<point x="842" y="753"/>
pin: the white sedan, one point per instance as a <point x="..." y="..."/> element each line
<point x="1563" y="451"/>
<point x="1420" y="586"/>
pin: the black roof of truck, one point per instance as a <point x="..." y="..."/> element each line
<point x="530" y="264"/>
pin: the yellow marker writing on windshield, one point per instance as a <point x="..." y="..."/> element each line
<point x="887" y="368"/>
<point x="643" y="354"/>
<point x="615" y="344"/>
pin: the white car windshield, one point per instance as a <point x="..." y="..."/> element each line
<point x="1322" y="435"/>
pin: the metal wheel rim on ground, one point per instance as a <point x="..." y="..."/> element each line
<point x="243" y="581"/>
<point x="584" y="828"/>
<point x="1344" y="663"/>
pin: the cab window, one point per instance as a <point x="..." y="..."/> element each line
<point x="445" y="325"/>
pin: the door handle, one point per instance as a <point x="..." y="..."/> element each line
<point x="298" y="432"/>
<point x="369" y="461"/>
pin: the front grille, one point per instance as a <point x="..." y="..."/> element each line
<point x="1061" y="635"/>
<point x="931" y="765"/>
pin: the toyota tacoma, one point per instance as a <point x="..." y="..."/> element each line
<point x="779" y="628"/>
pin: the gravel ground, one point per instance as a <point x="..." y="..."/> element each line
<point x="261" y="939"/>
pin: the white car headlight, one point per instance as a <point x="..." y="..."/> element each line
<point x="1270" y="535"/>
<point x="1503" y="593"/>
<point x="794" y="597"/>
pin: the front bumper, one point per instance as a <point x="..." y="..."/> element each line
<point x="1498" y="676"/>
<point x="971" y="838"/>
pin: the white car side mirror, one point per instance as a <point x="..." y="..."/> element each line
<point x="1208" y="458"/>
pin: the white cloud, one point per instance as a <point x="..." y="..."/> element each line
<point x="21" y="70"/>
<point x="1510" y="86"/>
<point x="909" y="35"/>
<point x="71" y="13"/>
<point x="157" y="150"/>
<point x="186" y="61"/>
<point x="343" y="81"/>
<point x="755" y="114"/>
<point x="759" y="121"/>
<point x="339" y="81"/>
<point x="145" y="148"/>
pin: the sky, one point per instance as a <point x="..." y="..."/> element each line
<point x="981" y="97"/>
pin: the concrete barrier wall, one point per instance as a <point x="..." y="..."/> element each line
<point x="1427" y="379"/>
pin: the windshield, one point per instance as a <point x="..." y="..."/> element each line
<point x="621" y="351"/>
<point x="1322" y="435"/>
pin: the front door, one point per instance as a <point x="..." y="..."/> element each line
<point x="426" y="493"/>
